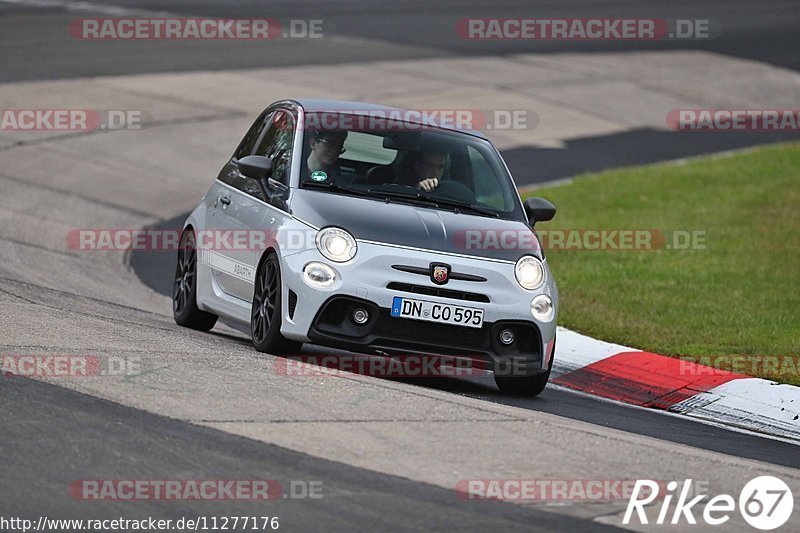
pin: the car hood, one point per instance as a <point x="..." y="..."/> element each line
<point x="420" y="227"/>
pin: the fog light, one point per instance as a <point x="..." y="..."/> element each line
<point x="360" y="316"/>
<point x="542" y="308"/>
<point x="318" y="275"/>
<point x="506" y="336"/>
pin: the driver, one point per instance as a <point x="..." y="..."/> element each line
<point x="429" y="168"/>
<point x="323" y="161"/>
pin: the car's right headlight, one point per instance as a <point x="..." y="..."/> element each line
<point x="336" y="244"/>
<point x="529" y="272"/>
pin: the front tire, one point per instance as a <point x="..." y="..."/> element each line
<point x="184" y="288"/>
<point x="267" y="311"/>
<point x="526" y="385"/>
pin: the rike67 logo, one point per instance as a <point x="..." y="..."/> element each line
<point x="765" y="503"/>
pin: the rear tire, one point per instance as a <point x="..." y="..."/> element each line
<point x="184" y="288"/>
<point x="526" y="385"/>
<point x="267" y="311"/>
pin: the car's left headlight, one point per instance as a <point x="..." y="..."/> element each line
<point x="529" y="272"/>
<point x="336" y="244"/>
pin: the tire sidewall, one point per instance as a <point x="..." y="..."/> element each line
<point x="273" y="340"/>
<point x="191" y="316"/>
<point x="527" y="385"/>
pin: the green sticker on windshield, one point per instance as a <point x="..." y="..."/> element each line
<point x="319" y="176"/>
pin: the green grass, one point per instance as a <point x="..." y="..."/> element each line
<point x="738" y="296"/>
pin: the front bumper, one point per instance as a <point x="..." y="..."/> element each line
<point x="383" y="333"/>
<point x="322" y="316"/>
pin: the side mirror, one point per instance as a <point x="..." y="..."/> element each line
<point x="256" y="167"/>
<point x="539" y="210"/>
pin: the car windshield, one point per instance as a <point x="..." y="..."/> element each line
<point x="404" y="162"/>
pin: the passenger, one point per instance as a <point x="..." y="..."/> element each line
<point x="429" y="167"/>
<point x="323" y="161"/>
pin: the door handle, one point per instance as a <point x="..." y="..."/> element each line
<point x="224" y="200"/>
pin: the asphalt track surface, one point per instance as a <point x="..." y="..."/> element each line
<point x="50" y="436"/>
<point x="75" y="432"/>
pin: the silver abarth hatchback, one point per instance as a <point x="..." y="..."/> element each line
<point x="375" y="230"/>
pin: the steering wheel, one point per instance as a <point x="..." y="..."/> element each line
<point x="455" y="190"/>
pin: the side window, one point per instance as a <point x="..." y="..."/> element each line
<point x="276" y="144"/>
<point x="230" y="173"/>
<point x="487" y="190"/>
<point x="251" y="137"/>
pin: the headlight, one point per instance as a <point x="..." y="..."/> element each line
<point x="529" y="272"/>
<point x="318" y="275"/>
<point x="542" y="308"/>
<point x="336" y="244"/>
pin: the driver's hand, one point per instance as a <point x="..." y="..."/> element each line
<point x="428" y="185"/>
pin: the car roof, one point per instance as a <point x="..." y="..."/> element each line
<point x="311" y="105"/>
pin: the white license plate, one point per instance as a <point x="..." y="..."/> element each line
<point x="436" y="312"/>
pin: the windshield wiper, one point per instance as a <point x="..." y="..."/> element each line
<point x="410" y="197"/>
<point x="438" y="201"/>
<point x="461" y="204"/>
<point x="332" y="187"/>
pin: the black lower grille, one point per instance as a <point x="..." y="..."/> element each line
<point x="438" y="291"/>
<point x="409" y="332"/>
<point x="292" y="303"/>
<point x="333" y="326"/>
